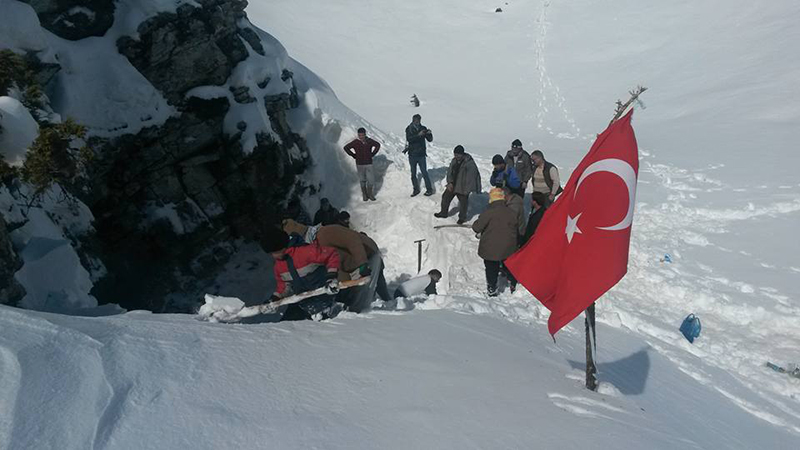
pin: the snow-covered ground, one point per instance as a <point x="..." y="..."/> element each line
<point x="460" y="370"/>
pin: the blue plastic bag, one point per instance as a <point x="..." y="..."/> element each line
<point x="691" y="327"/>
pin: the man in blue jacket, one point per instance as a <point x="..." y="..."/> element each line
<point x="417" y="135"/>
<point x="504" y="176"/>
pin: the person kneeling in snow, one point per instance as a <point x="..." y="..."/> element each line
<point x="498" y="227"/>
<point x="463" y="179"/>
<point x="304" y="267"/>
<point x="423" y="284"/>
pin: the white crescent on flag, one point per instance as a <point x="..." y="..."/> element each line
<point x="623" y="170"/>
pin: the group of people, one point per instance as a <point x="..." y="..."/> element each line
<point x="328" y="251"/>
<point x="321" y="255"/>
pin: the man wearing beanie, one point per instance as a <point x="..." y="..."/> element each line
<point x="520" y="160"/>
<point x="463" y="178"/>
<point x="498" y="228"/>
<point x="504" y="176"/>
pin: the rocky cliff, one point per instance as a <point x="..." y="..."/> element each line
<point x="193" y="151"/>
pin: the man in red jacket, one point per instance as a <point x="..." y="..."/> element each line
<point x="363" y="150"/>
<point x="303" y="268"/>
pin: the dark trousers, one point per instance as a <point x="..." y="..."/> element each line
<point x="463" y="203"/>
<point x="493" y="269"/>
<point x="422" y="162"/>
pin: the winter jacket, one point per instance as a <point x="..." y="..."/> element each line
<point x="362" y="151"/>
<point x="520" y="160"/>
<point x="546" y="180"/>
<point x="308" y="261"/>
<point x="464" y="175"/>
<point x="498" y="228"/>
<point x="326" y="216"/>
<point x="416" y="143"/>
<point x="514" y="202"/>
<point x="416" y="286"/>
<point x="349" y="244"/>
<point x="505" y="178"/>
<point x="533" y="222"/>
<point x="370" y="246"/>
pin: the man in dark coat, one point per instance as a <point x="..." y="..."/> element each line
<point x="538" y="208"/>
<point x="498" y="228"/>
<point x="363" y="149"/>
<point x="520" y="160"/>
<point x="326" y="215"/>
<point x="463" y="178"/>
<point x="503" y="175"/>
<point x="343" y="219"/>
<point x="417" y="135"/>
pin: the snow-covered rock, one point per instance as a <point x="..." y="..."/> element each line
<point x="18" y="130"/>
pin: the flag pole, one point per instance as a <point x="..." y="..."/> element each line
<point x="591" y="349"/>
<point x="591" y="332"/>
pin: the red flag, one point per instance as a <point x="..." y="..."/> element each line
<point x="580" y="249"/>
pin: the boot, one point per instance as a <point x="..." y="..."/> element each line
<point x="369" y="193"/>
<point x="492" y="291"/>
<point x="364" y="196"/>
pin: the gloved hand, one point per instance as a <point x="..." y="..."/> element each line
<point x="364" y="270"/>
<point x="332" y="286"/>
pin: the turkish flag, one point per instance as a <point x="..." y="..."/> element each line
<point x="580" y="249"/>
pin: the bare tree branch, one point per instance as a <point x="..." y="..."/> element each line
<point x="622" y="107"/>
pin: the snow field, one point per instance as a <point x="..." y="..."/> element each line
<point x="685" y="208"/>
<point x="423" y="379"/>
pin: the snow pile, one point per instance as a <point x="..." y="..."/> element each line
<point x="47" y="238"/>
<point x="99" y="87"/>
<point x="18" y="129"/>
<point x="423" y="379"/>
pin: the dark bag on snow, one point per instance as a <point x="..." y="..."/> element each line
<point x="691" y="327"/>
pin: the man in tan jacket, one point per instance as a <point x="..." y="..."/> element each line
<point x="498" y="227"/>
<point x="349" y="244"/>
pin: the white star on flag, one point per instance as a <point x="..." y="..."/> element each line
<point x="572" y="227"/>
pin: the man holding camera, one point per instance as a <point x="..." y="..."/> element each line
<point x="417" y="135"/>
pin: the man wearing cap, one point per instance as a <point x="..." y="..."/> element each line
<point x="545" y="177"/>
<point x="463" y="178"/>
<point x="520" y="160"/>
<point x="498" y="227"/>
<point x="417" y="135"/>
<point x="363" y="149"/>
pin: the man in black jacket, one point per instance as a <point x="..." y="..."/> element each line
<point x="538" y="208"/>
<point x="417" y="135"/>
<point x="326" y="215"/>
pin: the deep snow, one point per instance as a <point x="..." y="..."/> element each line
<point x="459" y="370"/>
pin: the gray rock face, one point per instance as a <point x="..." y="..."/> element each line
<point x="11" y="291"/>
<point x="74" y="19"/>
<point x="194" y="47"/>
<point x="170" y="200"/>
